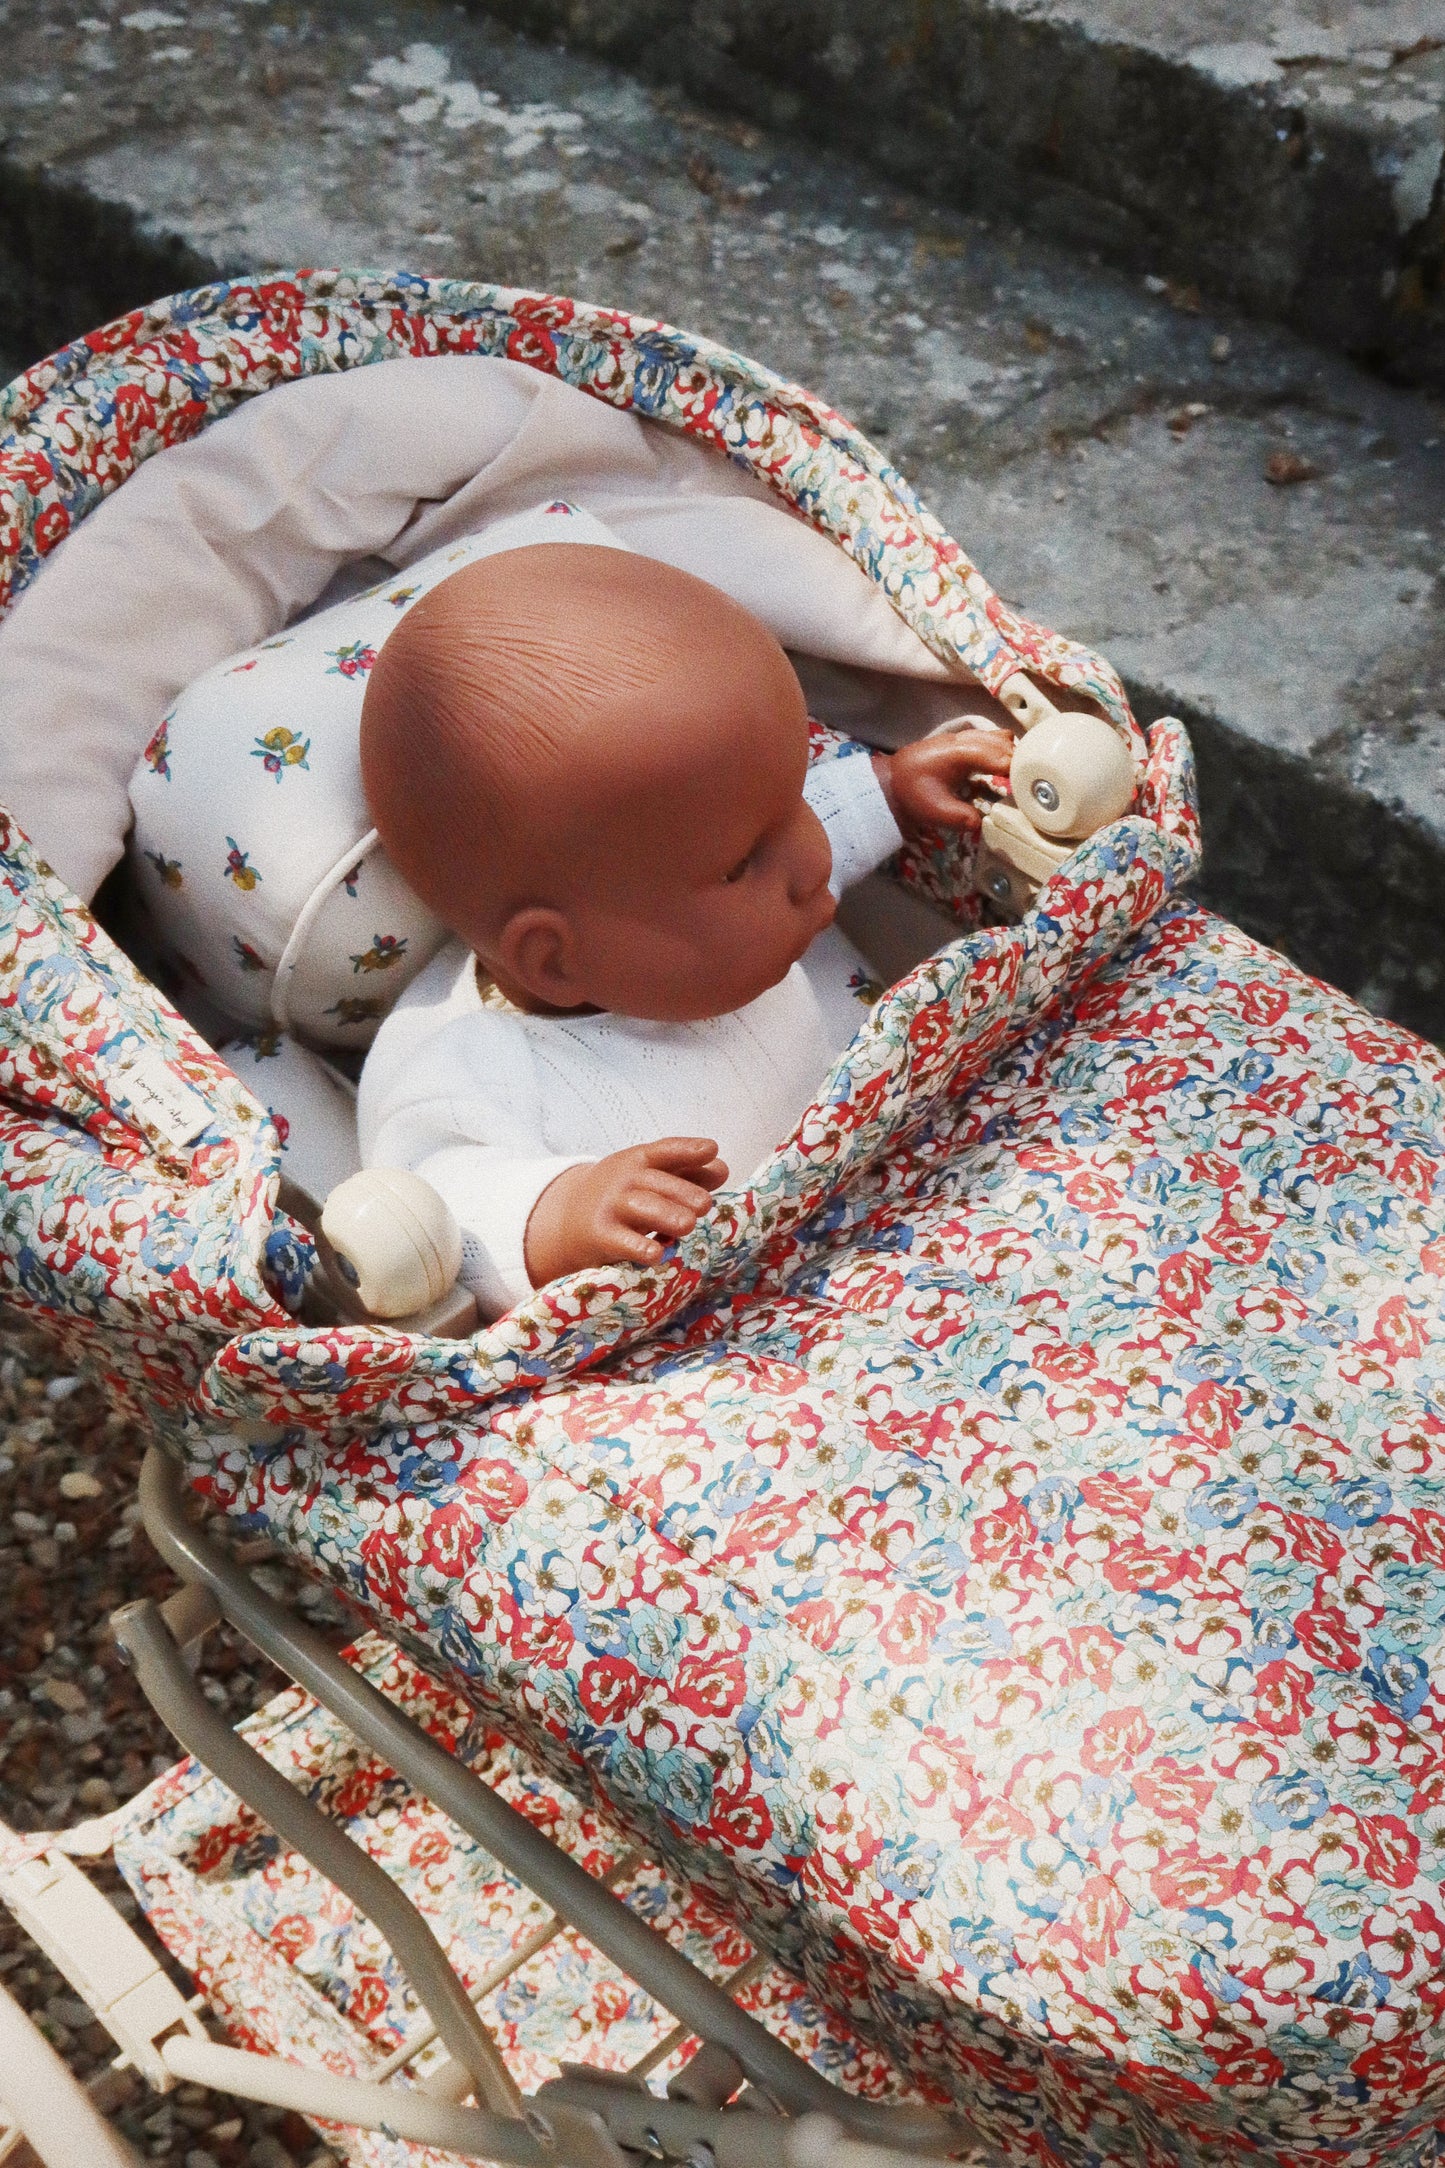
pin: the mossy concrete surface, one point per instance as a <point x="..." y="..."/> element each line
<point x="1252" y="528"/>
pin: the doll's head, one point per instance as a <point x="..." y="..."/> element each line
<point x="590" y="766"/>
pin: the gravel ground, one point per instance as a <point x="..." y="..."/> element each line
<point x="75" y="1734"/>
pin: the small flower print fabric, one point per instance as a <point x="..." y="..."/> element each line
<point x="253" y="846"/>
<point x="290" y="1969"/>
<point x="997" y="1560"/>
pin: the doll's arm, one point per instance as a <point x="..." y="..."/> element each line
<point x="525" y="1221"/>
<point x="870" y="802"/>
<point x="492" y="1193"/>
<point x="846" y="792"/>
<point x="460" y="1106"/>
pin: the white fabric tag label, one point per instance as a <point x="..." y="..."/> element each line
<point x="161" y="1100"/>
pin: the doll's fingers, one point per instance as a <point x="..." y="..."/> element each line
<point x="626" y="1244"/>
<point x="694" y="1158"/>
<point x="684" y="1154"/>
<point x="658" y="1213"/>
<point x="689" y="1194"/>
<point x="937" y="805"/>
<point x="975" y="752"/>
<point x="627" y="1236"/>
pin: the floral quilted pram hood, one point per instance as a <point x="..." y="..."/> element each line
<point x="1000" y="1554"/>
<point x="170" y="1242"/>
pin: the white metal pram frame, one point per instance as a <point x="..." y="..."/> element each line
<point x="744" y="2099"/>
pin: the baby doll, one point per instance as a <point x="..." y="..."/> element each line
<point x="594" y="769"/>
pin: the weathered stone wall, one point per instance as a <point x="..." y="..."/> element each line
<point x="1286" y="166"/>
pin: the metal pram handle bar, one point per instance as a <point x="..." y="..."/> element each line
<point x="554" y="2134"/>
<point x="579" y="2121"/>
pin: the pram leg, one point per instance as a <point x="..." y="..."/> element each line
<point x="42" y="2102"/>
<point x="812" y="2120"/>
<point x="161" y="1670"/>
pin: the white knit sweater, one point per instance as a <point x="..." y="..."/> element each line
<point x="491" y="1104"/>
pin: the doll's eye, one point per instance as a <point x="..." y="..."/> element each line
<point x="738" y="870"/>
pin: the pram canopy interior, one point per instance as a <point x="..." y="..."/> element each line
<point x="1000" y="1556"/>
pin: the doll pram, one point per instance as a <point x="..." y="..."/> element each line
<point x="1065" y="1710"/>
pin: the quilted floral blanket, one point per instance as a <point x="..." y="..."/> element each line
<point x="998" y="1557"/>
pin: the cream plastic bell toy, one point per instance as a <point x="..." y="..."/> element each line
<point x="1071" y="775"/>
<point x="394" y="1252"/>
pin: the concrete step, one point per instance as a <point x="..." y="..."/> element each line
<point x="1250" y="527"/>
<point x="1280" y="155"/>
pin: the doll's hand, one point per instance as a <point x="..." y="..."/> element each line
<point x="926" y="783"/>
<point x="611" y="1211"/>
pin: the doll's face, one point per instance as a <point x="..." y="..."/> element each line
<point x="712" y="883"/>
<point x="591" y="767"/>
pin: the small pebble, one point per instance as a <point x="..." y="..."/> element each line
<point x="75" y="1483"/>
<point x="224" y="2133"/>
<point x="27" y="1524"/>
<point x="69" y="2010"/>
<point x="58" y="1389"/>
<point x="96" y="1794"/>
<point x="1219" y="348"/>
<point x="1284" y="468"/>
<point x="111" y="2089"/>
<point x="43" y="1554"/>
<point x="65" y="1694"/>
<point x="199" y="2157"/>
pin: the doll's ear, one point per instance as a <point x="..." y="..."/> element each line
<point x="538" y="950"/>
